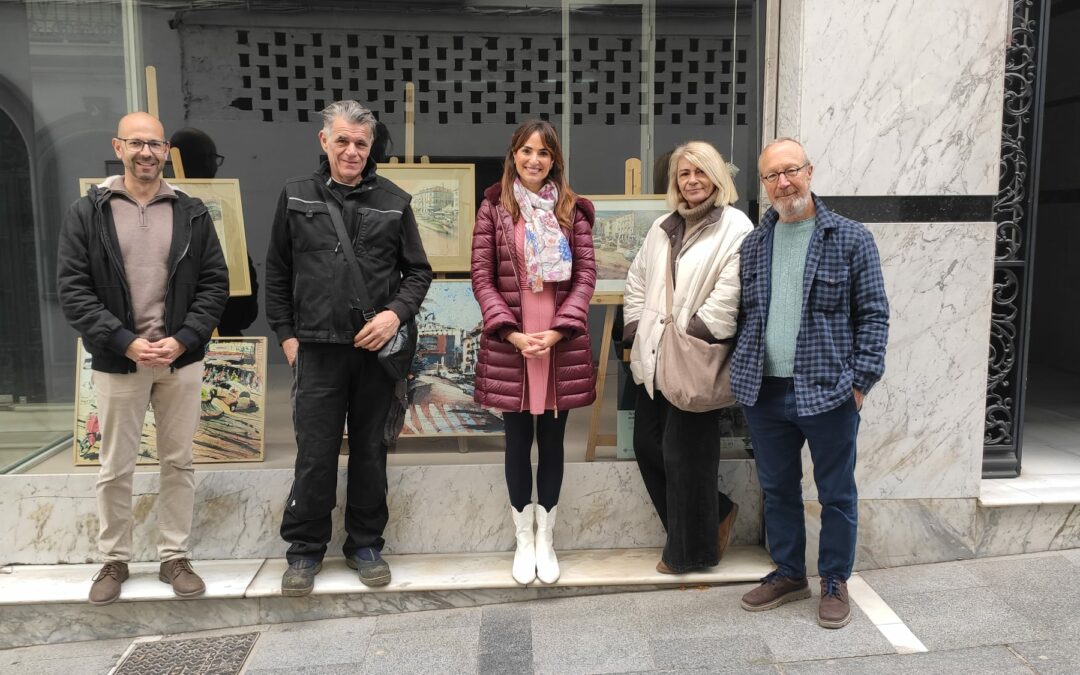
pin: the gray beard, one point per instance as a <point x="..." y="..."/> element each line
<point x="791" y="207"/>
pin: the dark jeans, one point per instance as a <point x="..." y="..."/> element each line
<point x="331" y="381"/>
<point x="678" y="454"/>
<point x="778" y="434"/>
<point x="549" y="431"/>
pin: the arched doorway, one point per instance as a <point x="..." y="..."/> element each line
<point x="22" y="377"/>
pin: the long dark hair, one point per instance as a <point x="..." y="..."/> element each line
<point x="564" y="208"/>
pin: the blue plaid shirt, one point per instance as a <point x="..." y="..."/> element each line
<point x="845" y="315"/>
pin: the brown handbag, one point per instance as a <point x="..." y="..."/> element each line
<point x="693" y="375"/>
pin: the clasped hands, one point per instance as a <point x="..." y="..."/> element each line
<point x="157" y="354"/>
<point x="534" y="345"/>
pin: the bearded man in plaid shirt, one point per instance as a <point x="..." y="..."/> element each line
<point x="812" y="331"/>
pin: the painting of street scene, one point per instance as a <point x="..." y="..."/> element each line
<point x="621" y="225"/>
<point x="441" y="382"/>
<point x="233" y="405"/>
<point x="442" y="202"/>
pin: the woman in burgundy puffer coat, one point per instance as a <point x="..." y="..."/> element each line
<point x="533" y="274"/>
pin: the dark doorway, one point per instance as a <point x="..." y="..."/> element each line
<point x="1051" y="438"/>
<point x="22" y="377"/>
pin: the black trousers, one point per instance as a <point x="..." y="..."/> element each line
<point x="331" y="382"/>
<point x="678" y="454"/>
<point x="549" y="431"/>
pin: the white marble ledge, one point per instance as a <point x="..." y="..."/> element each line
<point x="468" y="571"/>
<point x="39" y="584"/>
<point x="1030" y="491"/>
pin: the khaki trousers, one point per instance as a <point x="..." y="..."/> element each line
<point x="122" y="400"/>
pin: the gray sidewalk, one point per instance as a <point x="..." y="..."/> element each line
<point x="1017" y="614"/>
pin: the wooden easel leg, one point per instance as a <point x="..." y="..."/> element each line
<point x="601" y="379"/>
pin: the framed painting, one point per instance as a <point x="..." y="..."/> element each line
<point x="444" y="203"/>
<point x="621" y="224"/>
<point x="232" y="420"/>
<point x="222" y="199"/>
<point x="440" y="390"/>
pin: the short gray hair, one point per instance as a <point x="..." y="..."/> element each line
<point x="350" y="111"/>
<point x="786" y="139"/>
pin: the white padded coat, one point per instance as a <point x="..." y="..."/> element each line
<point x="706" y="284"/>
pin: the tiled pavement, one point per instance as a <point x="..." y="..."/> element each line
<point x="1017" y="614"/>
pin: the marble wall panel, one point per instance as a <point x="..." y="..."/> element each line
<point x="896" y="532"/>
<point x="1027" y="529"/>
<point x="922" y="425"/>
<point x="913" y="100"/>
<point x="433" y="509"/>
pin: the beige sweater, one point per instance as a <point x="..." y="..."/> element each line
<point x="145" y="233"/>
<point x="706" y="284"/>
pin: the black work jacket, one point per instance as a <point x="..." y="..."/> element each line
<point x="308" y="287"/>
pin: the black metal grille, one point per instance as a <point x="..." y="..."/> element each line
<point x="1014" y="213"/>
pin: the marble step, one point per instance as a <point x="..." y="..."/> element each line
<point x="261" y="578"/>
<point x="46" y="604"/>
<point x="1035" y="490"/>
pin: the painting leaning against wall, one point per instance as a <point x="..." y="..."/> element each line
<point x="440" y="390"/>
<point x="233" y="401"/>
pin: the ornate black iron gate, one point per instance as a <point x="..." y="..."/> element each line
<point x="1015" y="213"/>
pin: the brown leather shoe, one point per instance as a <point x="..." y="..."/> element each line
<point x="106" y="587"/>
<point x="834" y="610"/>
<point x="662" y="568"/>
<point x="727" y="527"/>
<point x="184" y="581"/>
<point x="775" y="590"/>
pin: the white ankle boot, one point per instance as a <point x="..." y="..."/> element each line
<point x="525" y="555"/>
<point x="547" y="565"/>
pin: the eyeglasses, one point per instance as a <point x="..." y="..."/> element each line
<point x="218" y="159"/>
<point x="136" y="145"/>
<point x="790" y="173"/>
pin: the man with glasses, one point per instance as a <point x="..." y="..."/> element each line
<point x="142" y="278"/>
<point x="813" y="325"/>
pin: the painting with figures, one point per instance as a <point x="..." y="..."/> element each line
<point x="621" y="225"/>
<point x="440" y="392"/>
<point x="233" y="402"/>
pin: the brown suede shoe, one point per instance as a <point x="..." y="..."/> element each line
<point x="727" y="527"/>
<point x="834" y="610"/>
<point x="662" y="568"/>
<point x="106" y="587"/>
<point x="775" y="590"/>
<point x="184" y="581"/>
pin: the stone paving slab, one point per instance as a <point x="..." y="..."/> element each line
<point x="63" y="659"/>
<point x="978" y="661"/>
<point x="1051" y="657"/>
<point x="967" y="617"/>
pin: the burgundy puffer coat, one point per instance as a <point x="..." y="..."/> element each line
<point x="498" y="278"/>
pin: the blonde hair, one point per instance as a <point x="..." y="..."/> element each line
<point x="707" y="158"/>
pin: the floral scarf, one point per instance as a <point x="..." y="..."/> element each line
<point x="547" y="253"/>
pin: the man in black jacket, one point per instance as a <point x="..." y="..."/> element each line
<point x="332" y="343"/>
<point x="142" y="278"/>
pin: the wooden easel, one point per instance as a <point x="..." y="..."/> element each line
<point x="610" y="300"/>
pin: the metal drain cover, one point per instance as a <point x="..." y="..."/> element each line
<point x="223" y="655"/>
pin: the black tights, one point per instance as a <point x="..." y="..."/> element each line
<point x="549" y="431"/>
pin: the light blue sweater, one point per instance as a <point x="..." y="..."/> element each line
<point x="790" y="244"/>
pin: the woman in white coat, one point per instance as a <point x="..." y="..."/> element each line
<point x="678" y="452"/>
